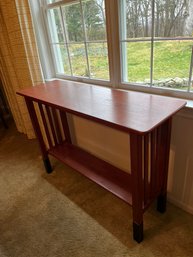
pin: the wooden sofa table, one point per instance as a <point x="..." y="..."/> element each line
<point x="145" y="117"/>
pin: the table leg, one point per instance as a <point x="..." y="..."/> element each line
<point x="39" y="136"/>
<point x="165" y="131"/>
<point x="161" y="203"/>
<point x="137" y="186"/>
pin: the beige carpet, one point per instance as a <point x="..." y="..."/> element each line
<point x="64" y="214"/>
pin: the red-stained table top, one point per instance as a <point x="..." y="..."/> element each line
<point x="124" y="110"/>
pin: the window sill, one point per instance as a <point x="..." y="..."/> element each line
<point x="189" y="104"/>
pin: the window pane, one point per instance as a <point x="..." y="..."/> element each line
<point x="98" y="60"/>
<point x="172" y="50"/>
<point x="61" y="59"/>
<point x="138" y="61"/>
<point x="78" y="36"/>
<point x="55" y="25"/>
<point x="172" y="18"/>
<point x="65" y="60"/>
<point x="73" y="22"/>
<point x="172" y="64"/>
<point x="136" y="20"/>
<point x="78" y="60"/>
<point x="94" y="19"/>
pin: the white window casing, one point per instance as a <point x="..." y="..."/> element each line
<point x="116" y="28"/>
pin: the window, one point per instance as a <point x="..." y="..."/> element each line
<point x="78" y="38"/>
<point x="157" y="42"/>
<point x="137" y="44"/>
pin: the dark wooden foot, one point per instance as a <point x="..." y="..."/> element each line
<point x="47" y="165"/>
<point x="161" y="203"/>
<point x="138" y="232"/>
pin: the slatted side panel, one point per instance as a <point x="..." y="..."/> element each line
<point x="55" y="125"/>
<point x="154" y="163"/>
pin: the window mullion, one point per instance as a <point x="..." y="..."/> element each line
<point x="152" y="44"/>
<point x="123" y="40"/>
<point x="112" y="25"/>
<point x="85" y="39"/>
<point x="190" y="72"/>
<point x="65" y="35"/>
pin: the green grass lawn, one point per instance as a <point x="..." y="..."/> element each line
<point x="171" y="59"/>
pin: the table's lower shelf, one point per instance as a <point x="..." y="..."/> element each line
<point x="106" y="175"/>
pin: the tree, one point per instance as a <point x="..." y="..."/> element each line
<point x="92" y="18"/>
<point x="73" y="22"/>
<point x="170" y="17"/>
<point x="173" y="14"/>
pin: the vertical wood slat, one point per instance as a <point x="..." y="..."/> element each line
<point x="137" y="178"/>
<point x="160" y="159"/>
<point x="51" y="124"/>
<point x="136" y="142"/>
<point x="153" y="162"/>
<point x="45" y="124"/>
<point x="65" y="126"/>
<point x="146" y="168"/>
<point x="165" y="135"/>
<point x="57" y="126"/>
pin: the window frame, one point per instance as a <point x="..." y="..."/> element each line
<point x="59" y="75"/>
<point x="173" y="92"/>
<point x="112" y="10"/>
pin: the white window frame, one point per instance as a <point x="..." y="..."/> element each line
<point x="116" y="71"/>
<point x="61" y="75"/>
<point x="150" y="88"/>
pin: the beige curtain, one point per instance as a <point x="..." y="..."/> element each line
<point x="19" y="61"/>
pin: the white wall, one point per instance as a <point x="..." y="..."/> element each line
<point x="113" y="146"/>
<point x="180" y="184"/>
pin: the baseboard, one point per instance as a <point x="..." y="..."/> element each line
<point x="180" y="204"/>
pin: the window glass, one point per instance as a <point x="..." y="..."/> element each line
<point x="98" y="60"/>
<point x="72" y="16"/>
<point x="58" y="58"/>
<point x="172" y="44"/>
<point x="78" y="60"/>
<point x="79" y="29"/>
<point x="156" y="42"/>
<point x="172" y="63"/>
<point x="55" y="24"/>
<point x="138" y="61"/>
<point x="94" y="19"/>
<point x="61" y="59"/>
<point x="135" y="31"/>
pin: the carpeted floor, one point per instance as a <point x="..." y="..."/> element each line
<point x="64" y="214"/>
